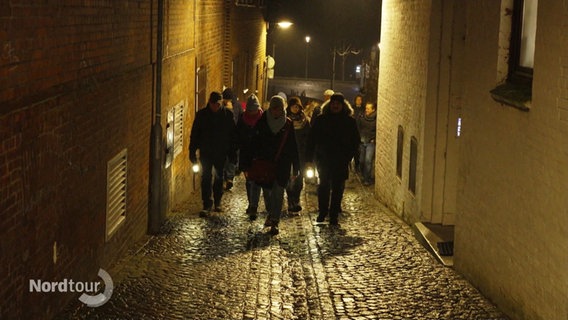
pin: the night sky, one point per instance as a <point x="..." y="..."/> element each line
<point x="329" y="23"/>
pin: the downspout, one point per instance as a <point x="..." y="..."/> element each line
<point x="155" y="217"/>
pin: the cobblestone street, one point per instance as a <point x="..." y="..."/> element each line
<point x="227" y="267"/>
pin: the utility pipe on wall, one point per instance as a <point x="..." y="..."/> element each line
<point x="155" y="215"/>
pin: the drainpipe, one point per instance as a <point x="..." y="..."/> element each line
<point x="155" y="217"/>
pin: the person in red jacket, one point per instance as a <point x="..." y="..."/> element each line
<point x="245" y="131"/>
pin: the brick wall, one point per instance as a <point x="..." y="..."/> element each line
<point x="401" y="99"/>
<point x="248" y="51"/>
<point x="511" y="234"/>
<point x="76" y="88"/>
<point x="210" y="19"/>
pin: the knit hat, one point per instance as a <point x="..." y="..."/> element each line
<point x="215" y="97"/>
<point x="228" y="94"/>
<point x="252" y="103"/>
<point x="277" y="101"/>
<point x="337" y="96"/>
<point x="283" y="95"/>
<point x="328" y="92"/>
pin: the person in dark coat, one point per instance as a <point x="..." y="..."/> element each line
<point x="332" y="143"/>
<point x="271" y="129"/>
<point x="358" y="112"/>
<point x="213" y="134"/>
<point x="367" y="124"/>
<point x="301" y="124"/>
<point x="230" y="102"/>
<point x="245" y="131"/>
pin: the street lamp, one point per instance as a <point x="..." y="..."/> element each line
<point x="270" y="61"/>
<point x="307" y="45"/>
<point x="282" y="25"/>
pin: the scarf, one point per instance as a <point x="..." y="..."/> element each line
<point x="275" y="124"/>
<point x="251" y="119"/>
<point x="298" y="119"/>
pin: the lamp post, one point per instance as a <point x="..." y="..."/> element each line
<point x="307" y="46"/>
<point x="282" y="25"/>
<point x="271" y="60"/>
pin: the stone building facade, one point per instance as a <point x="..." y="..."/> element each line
<point x="452" y="152"/>
<point x="78" y="100"/>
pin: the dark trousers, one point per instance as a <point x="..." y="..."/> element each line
<point x="330" y="194"/>
<point x="293" y="191"/>
<point x="212" y="170"/>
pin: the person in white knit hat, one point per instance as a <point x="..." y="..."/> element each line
<point x="274" y="140"/>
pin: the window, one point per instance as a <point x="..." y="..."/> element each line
<point x="399" y="147"/>
<point x="520" y="28"/>
<point x="200" y="88"/>
<point x="523" y="36"/>
<point x="413" y="164"/>
<point x="245" y="2"/>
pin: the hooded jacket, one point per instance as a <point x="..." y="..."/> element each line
<point x="333" y="141"/>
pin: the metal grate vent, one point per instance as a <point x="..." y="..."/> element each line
<point x="116" y="193"/>
<point x="178" y="129"/>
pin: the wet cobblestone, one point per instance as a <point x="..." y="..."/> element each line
<point x="227" y="267"/>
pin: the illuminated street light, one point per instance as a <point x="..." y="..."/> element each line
<point x="307" y="45"/>
<point x="284" y="24"/>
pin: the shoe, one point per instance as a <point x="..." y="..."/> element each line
<point x="296" y="208"/>
<point x="333" y="222"/>
<point x="218" y="209"/>
<point x="228" y="184"/>
<point x="274" y="230"/>
<point x="268" y="223"/>
<point x="205" y="212"/>
<point x="320" y="218"/>
<point x="252" y="213"/>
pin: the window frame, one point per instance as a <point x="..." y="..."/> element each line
<point x="517" y="73"/>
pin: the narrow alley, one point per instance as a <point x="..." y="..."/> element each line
<point x="226" y="267"/>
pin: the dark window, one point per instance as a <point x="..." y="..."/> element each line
<point x="523" y="34"/>
<point x="517" y="90"/>
<point x="399" y="147"/>
<point x="201" y="88"/>
<point x="412" y="169"/>
<point x="245" y="2"/>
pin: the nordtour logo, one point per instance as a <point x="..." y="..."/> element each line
<point x="87" y="288"/>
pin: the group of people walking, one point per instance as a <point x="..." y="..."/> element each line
<point x="274" y="147"/>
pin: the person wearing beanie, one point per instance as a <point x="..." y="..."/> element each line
<point x="230" y="102"/>
<point x="245" y="132"/>
<point x="274" y="132"/>
<point x="212" y="134"/>
<point x="332" y="143"/>
<point x="301" y="124"/>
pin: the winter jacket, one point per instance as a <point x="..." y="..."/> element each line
<point x="265" y="145"/>
<point x="333" y="142"/>
<point x="367" y="127"/>
<point x="213" y="133"/>
<point x="302" y="130"/>
<point x="245" y="132"/>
